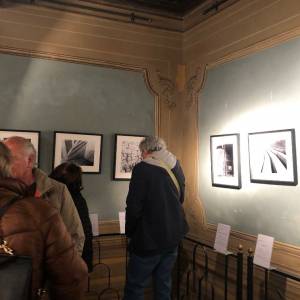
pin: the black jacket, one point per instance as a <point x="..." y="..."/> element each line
<point x="83" y="211"/>
<point x="155" y="220"/>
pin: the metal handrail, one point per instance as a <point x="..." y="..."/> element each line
<point x="205" y="247"/>
<point x="267" y="272"/>
<point x="286" y="274"/>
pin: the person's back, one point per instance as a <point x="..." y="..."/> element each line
<point x="155" y="221"/>
<point x="70" y="174"/>
<point x="31" y="227"/>
<point x="83" y="211"/>
<point x="162" y="224"/>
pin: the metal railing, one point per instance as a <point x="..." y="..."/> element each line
<point x="194" y="281"/>
<point x="267" y="273"/>
<point x="204" y="278"/>
<point x="108" y="288"/>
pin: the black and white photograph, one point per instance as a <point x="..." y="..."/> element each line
<point x="32" y="136"/>
<point x="127" y="155"/>
<point x="83" y="149"/>
<point x="272" y="157"/>
<point x="225" y="161"/>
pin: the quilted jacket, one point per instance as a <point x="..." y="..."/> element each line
<point x="33" y="228"/>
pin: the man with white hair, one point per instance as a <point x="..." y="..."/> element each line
<point x="155" y="221"/>
<point x="56" y="193"/>
<point x="32" y="228"/>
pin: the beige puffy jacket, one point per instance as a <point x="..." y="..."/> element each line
<point x="57" y="194"/>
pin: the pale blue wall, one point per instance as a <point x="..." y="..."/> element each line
<point x="260" y="92"/>
<point x="48" y="95"/>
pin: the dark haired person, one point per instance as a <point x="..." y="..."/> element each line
<point x="34" y="228"/>
<point x="155" y="220"/>
<point x="71" y="175"/>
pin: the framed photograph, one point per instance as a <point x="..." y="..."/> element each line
<point x="83" y="149"/>
<point x="272" y="157"/>
<point x="225" y="160"/>
<point x="127" y="155"/>
<point x="32" y="136"/>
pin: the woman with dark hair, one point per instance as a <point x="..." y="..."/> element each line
<point x="71" y="175"/>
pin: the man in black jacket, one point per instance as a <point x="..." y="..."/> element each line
<point x="155" y="221"/>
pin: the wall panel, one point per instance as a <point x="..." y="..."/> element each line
<point x="246" y="27"/>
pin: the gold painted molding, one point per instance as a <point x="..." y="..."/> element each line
<point x="194" y="86"/>
<point x="167" y="90"/>
<point x="257" y="47"/>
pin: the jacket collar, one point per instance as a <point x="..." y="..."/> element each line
<point x="43" y="182"/>
<point x="163" y="155"/>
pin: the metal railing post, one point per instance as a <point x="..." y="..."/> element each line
<point x="239" y="274"/>
<point x="250" y="274"/>
<point x="226" y="277"/>
<point x="266" y="283"/>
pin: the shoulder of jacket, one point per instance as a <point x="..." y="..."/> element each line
<point x="177" y="165"/>
<point x="40" y="211"/>
<point x="146" y="169"/>
<point x="141" y="166"/>
<point x="45" y="184"/>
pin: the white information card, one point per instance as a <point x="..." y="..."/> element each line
<point x="122" y="221"/>
<point x="95" y="224"/>
<point x="263" y="251"/>
<point x="222" y="237"/>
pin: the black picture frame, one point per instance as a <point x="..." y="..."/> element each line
<point x="83" y="149"/>
<point x="32" y="135"/>
<point x="272" y="157"/>
<point x="127" y="155"/>
<point x="225" y="160"/>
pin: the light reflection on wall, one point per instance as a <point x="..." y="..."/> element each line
<point x="272" y="116"/>
<point x="257" y="93"/>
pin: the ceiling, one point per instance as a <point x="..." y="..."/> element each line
<point x="178" y="7"/>
<point x="174" y="15"/>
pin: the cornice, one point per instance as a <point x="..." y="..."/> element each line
<point x="121" y="14"/>
<point x="126" y="13"/>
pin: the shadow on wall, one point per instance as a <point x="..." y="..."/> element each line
<point x="14" y="94"/>
<point x="57" y="95"/>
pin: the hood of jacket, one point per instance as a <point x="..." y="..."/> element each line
<point x="10" y="187"/>
<point x="163" y="155"/>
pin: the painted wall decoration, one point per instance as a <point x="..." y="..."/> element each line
<point x="84" y="149"/>
<point x="225" y="161"/>
<point x="127" y="155"/>
<point x="272" y="157"/>
<point x="32" y="136"/>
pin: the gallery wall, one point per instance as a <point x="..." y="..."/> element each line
<point x="259" y="92"/>
<point x="51" y="95"/>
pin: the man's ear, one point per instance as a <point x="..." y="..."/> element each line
<point x="31" y="161"/>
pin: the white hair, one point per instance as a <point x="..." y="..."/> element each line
<point x="152" y="143"/>
<point x="23" y="144"/>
